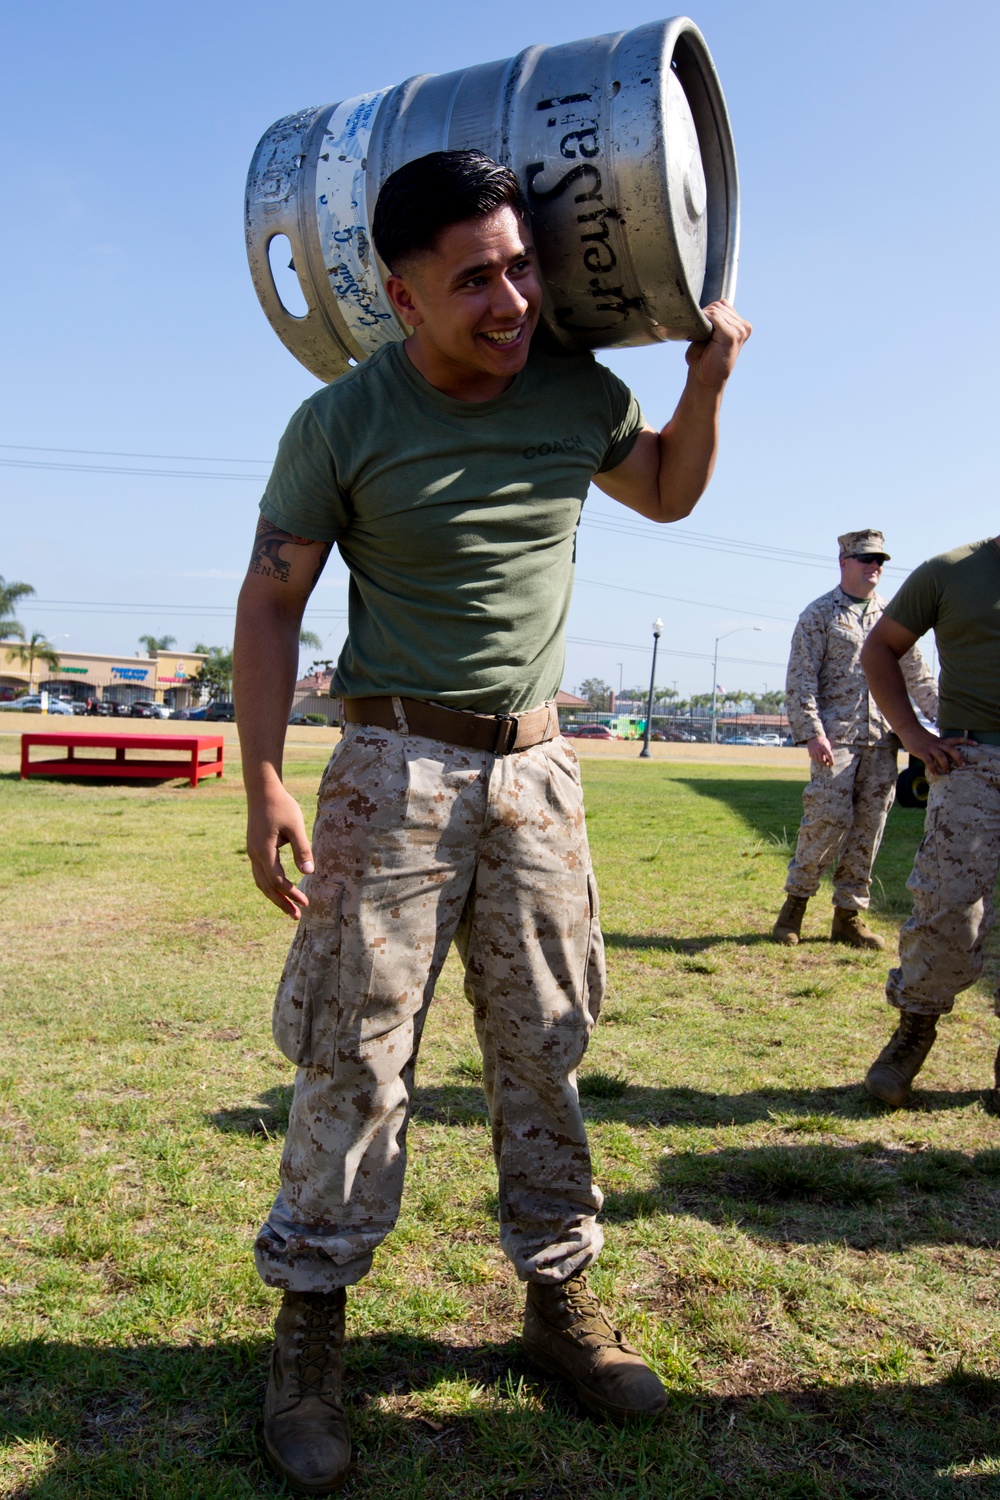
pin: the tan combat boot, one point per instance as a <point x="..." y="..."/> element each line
<point x="306" y="1436"/>
<point x="789" y="924"/>
<point x="567" y="1333"/>
<point x="850" y="927"/>
<point x="901" y="1059"/>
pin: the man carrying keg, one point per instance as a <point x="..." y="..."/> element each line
<point x="957" y="595"/>
<point x="851" y="745"/>
<point x="450" y="470"/>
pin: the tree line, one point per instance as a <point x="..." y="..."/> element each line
<point x="599" y="695"/>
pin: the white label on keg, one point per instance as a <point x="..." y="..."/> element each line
<point x="342" y="218"/>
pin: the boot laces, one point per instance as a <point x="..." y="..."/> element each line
<point x="313" y="1361"/>
<point x="911" y="1032"/>
<point x="588" y="1311"/>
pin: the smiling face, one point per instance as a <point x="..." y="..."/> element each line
<point x="859" y="576"/>
<point x="473" y="303"/>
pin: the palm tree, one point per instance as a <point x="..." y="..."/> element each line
<point x="310" y="638"/>
<point x="36" y="649"/>
<point x="154" y="643"/>
<point x="10" y="593"/>
<point x="216" y="671"/>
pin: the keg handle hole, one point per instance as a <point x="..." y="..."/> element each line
<point x="286" y="284"/>
<point x="616" y="88"/>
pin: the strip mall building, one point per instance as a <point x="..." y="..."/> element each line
<point x="164" y="677"/>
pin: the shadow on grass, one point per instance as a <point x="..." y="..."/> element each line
<point x="110" y="781"/>
<point x="181" y="1423"/>
<point x="463" y="1104"/>
<point x="772" y="811"/>
<point x="638" y="942"/>
<point x="869" y="1196"/>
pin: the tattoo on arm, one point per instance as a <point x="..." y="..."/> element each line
<point x="266" y="557"/>
<point x="321" y="565"/>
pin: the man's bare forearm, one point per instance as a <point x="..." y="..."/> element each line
<point x="689" y="445"/>
<point x="881" y="661"/>
<point x="888" y="686"/>
<point x="265" y="664"/>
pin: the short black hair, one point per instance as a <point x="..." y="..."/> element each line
<point x="422" y="199"/>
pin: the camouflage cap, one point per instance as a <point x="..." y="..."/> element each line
<point x="863" y="544"/>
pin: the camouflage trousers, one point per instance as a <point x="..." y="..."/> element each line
<point x="845" y="808"/>
<point x="954" y="874"/>
<point x="416" y="844"/>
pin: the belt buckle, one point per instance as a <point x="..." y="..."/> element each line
<point x="506" y="736"/>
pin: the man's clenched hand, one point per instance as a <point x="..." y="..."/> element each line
<point x="713" y="360"/>
<point x="275" y="819"/>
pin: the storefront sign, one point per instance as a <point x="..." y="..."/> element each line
<point x="84" y="670"/>
<point x="130" y="674"/>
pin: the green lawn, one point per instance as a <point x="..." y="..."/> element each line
<point x="815" y="1279"/>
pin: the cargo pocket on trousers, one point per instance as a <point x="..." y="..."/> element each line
<point x="307" y="1005"/>
<point x="593" y="973"/>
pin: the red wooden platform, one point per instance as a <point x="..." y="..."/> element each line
<point x="188" y="763"/>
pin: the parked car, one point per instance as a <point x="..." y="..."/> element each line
<point x="190" y="713"/>
<point x="145" y="708"/>
<point x="31" y="703"/>
<point x="589" y="732"/>
<point x="217" y="713"/>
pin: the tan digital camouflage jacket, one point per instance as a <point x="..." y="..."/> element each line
<point x="826" y="690"/>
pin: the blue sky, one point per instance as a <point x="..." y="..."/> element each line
<point x="868" y="154"/>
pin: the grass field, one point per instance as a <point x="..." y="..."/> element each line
<point x="815" y="1279"/>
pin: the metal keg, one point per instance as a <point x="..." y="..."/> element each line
<point x="624" y="151"/>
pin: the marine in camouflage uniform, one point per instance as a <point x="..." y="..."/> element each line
<point x="851" y="744"/>
<point x="450" y="472"/>
<point x="955" y="869"/>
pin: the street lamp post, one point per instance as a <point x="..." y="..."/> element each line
<point x="644" y="753"/>
<point x="715" y="671"/>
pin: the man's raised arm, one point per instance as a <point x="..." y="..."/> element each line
<point x="880" y="656"/>
<point x="667" y="472"/>
<point x="282" y="573"/>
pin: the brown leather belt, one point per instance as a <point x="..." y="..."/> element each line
<point x="500" y="734"/>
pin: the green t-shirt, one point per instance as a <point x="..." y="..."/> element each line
<point x="456" y="519"/>
<point x="958" y="596"/>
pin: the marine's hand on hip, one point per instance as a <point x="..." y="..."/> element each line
<point x="938" y="755"/>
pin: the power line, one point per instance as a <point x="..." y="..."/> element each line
<point x="705" y="541"/>
<point x="745" y="661"/>
<point x="186" y="458"/>
<point x="624" y="588"/>
<point x="113" y="607"/>
<point x="29" y="463"/>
